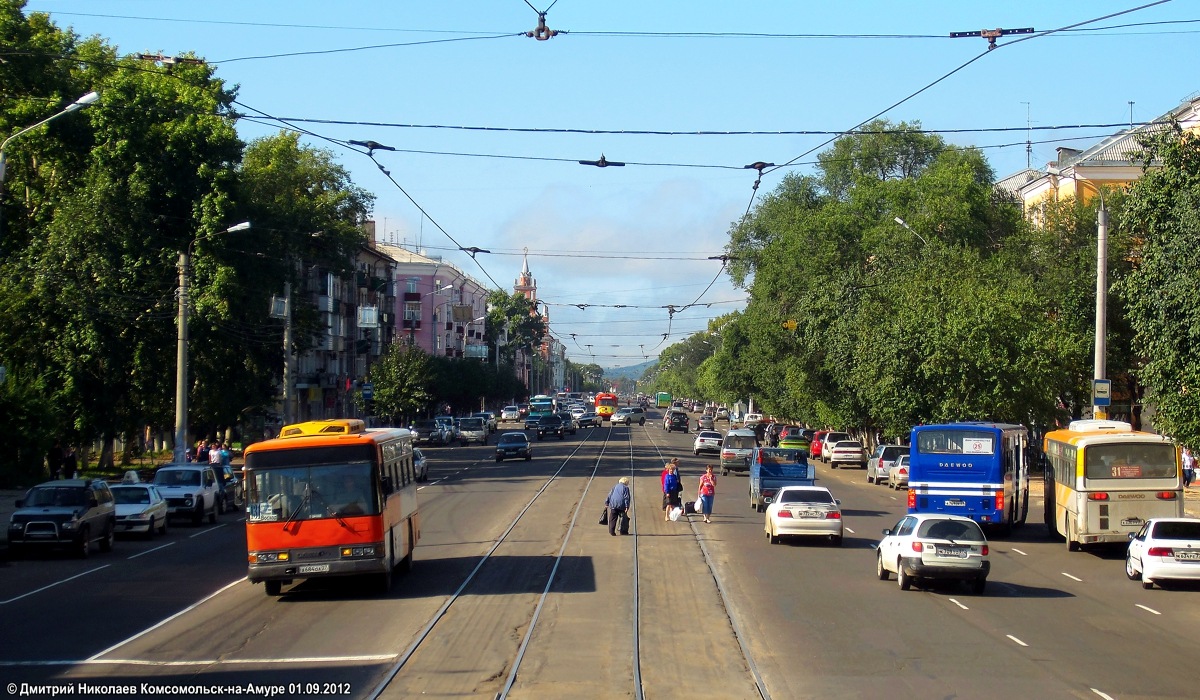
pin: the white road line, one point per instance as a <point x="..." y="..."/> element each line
<point x="848" y="530"/>
<point x="1016" y="640"/>
<point x="1106" y="696"/>
<point x="1149" y="610"/>
<point x="150" y="629"/>
<point x="894" y="498"/>
<point x="1019" y="552"/>
<point x="1073" y="578"/>
<point x="205" y="532"/>
<point x="161" y="546"/>
<point x="959" y="604"/>
<point x="25" y="595"/>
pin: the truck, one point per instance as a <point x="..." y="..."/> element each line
<point x="772" y="468"/>
<point x="662" y="399"/>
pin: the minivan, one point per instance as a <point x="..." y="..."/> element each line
<point x="736" y="449"/>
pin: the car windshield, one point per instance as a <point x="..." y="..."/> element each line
<point x="805" y="496"/>
<point x="182" y="477"/>
<point x="55" y="496"/>
<point x="471" y="424"/>
<point x="1177" y="531"/>
<point x="709" y="436"/>
<point x="740" y="442"/>
<point x="517" y="439"/>
<point x="847" y="445"/>
<point x="312" y="493"/>
<point x="127" y="495"/>
<point x="951" y="530"/>
<point x="425" y="425"/>
<point x="891" y="452"/>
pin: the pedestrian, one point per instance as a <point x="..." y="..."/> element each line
<point x="1189" y="467"/>
<point x="54" y="460"/>
<point x="226" y="455"/>
<point x="706" y="493"/>
<point x="618" y="505"/>
<point x="214" y="455"/>
<point x="667" y="470"/>
<point x="672" y="488"/>
<point x="202" y="451"/>
<point x="70" y="463"/>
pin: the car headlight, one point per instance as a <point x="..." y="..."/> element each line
<point x="68" y="525"/>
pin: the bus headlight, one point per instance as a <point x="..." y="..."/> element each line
<point x="269" y="557"/>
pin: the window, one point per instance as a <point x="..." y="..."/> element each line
<point x="1130" y="460"/>
<point x="410" y="285"/>
<point x="974" y="442"/>
<point x="412" y="311"/>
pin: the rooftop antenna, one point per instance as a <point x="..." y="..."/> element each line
<point x="1028" y="138"/>
<point x="1131" y="115"/>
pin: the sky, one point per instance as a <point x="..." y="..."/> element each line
<point x="488" y="124"/>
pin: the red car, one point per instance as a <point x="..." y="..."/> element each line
<point x="814" y="448"/>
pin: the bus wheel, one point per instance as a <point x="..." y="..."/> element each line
<point x="385" y="580"/>
<point x="1072" y="544"/>
<point x="273" y="588"/>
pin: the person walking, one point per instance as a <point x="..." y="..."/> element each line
<point x="666" y="470"/>
<point x="70" y="463"/>
<point x="618" y="502"/>
<point x="672" y="488"/>
<point x="1189" y="467"/>
<point x="706" y="493"/>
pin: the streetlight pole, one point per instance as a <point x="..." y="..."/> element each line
<point x="181" y="346"/>
<point x="1101" y="299"/>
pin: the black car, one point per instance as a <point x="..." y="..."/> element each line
<point x="677" y="421"/>
<point x="231" y="489"/>
<point x="69" y="513"/>
<point x="551" y="424"/>
<point x="570" y="425"/>
<point x="514" y="445"/>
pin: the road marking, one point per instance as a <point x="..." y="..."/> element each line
<point x="848" y="530"/>
<point x="1103" y="695"/>
<point x="161" y="546"/>
<point x="959" y="604"/>
<point x="1073" y="578"/>
<point x="1019" y="552"/>
<point x="164" y="621"/>
<point x="1149" y="610"/>
<point x="205" y="532"/>
<point x="1016" y="640"/>
<point x="10" y="600"/>
<point x="894" y="498"/>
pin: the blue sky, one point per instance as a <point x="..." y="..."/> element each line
<point x="600" y="237"/>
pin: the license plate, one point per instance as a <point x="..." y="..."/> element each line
<point x="1187" y="556"/>
<point x="811" y="514"/>
<point x="1133" y="522"/>
<point x="313" y="568"/>
<point x="953" y="552"/>
<point x="955" y="502"/>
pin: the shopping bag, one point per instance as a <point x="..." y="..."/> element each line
<point x="675" y="513"/>
<point x="604" y="516"/>
<point x="689" y="508"/>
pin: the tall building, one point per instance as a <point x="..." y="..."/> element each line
<point x="546" y="376"/>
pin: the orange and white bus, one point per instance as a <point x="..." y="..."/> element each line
<point x="330" y="498"/>
<point x="1105" y="480"/>
<point x="606" y="405"/>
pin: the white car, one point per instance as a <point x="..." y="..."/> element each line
<point x="577" y="411"/>
<point x="881" y="461"/>
<point x="845" y="453"/>
<point x="420" y="464"/>
<point x="804" y="511"/>
<point x="140" y="508"/>
<point x="510" y="414"/>
<point x="629" y="415"/>
<point x="932" y="546"/>
<point x="707" y="441"/>
<point x="1165" y="548"/>
<point x="898" y="474"/>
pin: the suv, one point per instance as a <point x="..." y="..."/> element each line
<point x="630" y="415"/>
<point x="570" y="425"/>
<point x="489" y="419"/>
<point x="934" y="546"/>
<point x="736" y="449"/>
<point x="428" y="432"/>
<point x="190" y="489"/>
<point x="677" y="421"/>
<point x="880" y="464"/>
<point x="69" y="513"/>
<point x="472" y="430"/>
<point x="510" y="414"/>
<point x="551" y="424"/>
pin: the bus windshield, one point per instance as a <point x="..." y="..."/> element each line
<point x="1130" y="460"/>
<point x="971" y="442"/>
<point x="312" y="492"/>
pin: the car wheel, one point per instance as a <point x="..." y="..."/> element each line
<point x="772" y="537"/>
<point x="880" y="571"/>
<point x="84" y="546"/>
<point x="198" y="515"/>
<point x="221" y="504"/>
<point x="1072" y="545"/>
<point x="162" y="529"/>
<point x="212" y="514"/>
<point x="462" y="443"/>
<point x="833" y="465"/>
<point x="1147" y="583"/>
<point x="1131" y="572"/>
<point x="528" y="457"/>
<point x="870" y="479"/>
<point x="902" y="578"/>
<point x="979" y="585"/>
<point x="273" y="588"/>
<point x="110" y="534"/>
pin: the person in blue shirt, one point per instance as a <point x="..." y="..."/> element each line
<point x="672" y="488"/>
<point x="618" y="505"/>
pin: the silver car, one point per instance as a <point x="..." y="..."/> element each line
<point x="898" y="474"/>
<point x="881" y="461"/>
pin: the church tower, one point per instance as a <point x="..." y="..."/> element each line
<point x="526" y="285"/>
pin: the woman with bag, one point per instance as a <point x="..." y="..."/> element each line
<point x="672" y="488"/>
<point x="706" y="493"/>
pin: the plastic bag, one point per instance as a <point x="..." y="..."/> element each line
<point x="604" y="516"/>
<point x="675" y="513"/>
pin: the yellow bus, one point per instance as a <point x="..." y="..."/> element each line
<point x="1105" y="480"/>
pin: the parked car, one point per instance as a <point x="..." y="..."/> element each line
<point x="815" y="445"/>
<point x="707" y="441"/>
<point x="934" y="546"/>
<point x="231" y="489"/>
<point x="804" y="511"/>
<point x="677" y="420"/>
<point x="428" y="432"/>
<point x="449" y="427"/>
<point x="551" y="424"/>
<point x="793" y="437"/>
<point x="629" y="415"/>
<point x="590" y="420"/>
<point x="191" y="491"/>
<point x="420" y="464"/>
<point x="69" y="513"/>
<point x="846" y="453"/>
<point x="513" y="445"/>
<point x="735" y="450"/>
<point x="489" y="418"/>
<point x="472" y="430"/>
<point x="510" y="414"/>
<point x="1164" y="549"/>
<point x="140" y="508"/>
<point x="881" y="460"/>
<point x="830" y="439"/>
<point x="898" y="475"/>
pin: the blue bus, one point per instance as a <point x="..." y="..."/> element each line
<point x="973" y="469"/>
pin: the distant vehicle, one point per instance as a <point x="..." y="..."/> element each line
<point x="191" y="491"/>
<point x="541" y="404"/>
<point x="489" y="417"/>
<point x="472" y="430"/>
<point x="707" y="441"/>
<point x="752" y="419"/>
<point x="662" y="399"/>
<point x="846" y="453"/>
<point x="705" y="422"/>
<point x="804" y="511"/>
<point x="736" y="449"/>
<point x="69" y="513"/>
<point x="449" y="427"/>
<point x="898" y="474"/>
<point x="510" y="414"/>
<point x="629" y="415"/>
<point x="570" y="425"/>
<point x="817" y="444"/>
<point x="796" y="438"/>
<point x="551" y="424"/>
<point x="140" y="509"/>
<point x="606" y="405"/>
<point x="420" y="465"/>
<point x="231" y="489"/>
<point x="1164" y="549"/>
<point x="722" y="413"/>
<point x="427" y="431"/>
<point x="577" y="411"/>
<point x="513" y="446"/>
<point x="774" y="468"/>
<point x="677" y="420"/>
<point x="830" y="439"/>
<point x="927" y="546"/>
<point x="590" y="420"/>
<point x="881" y="461"/>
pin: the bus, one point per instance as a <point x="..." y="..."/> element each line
<point x="973" y="469"/>
<point x="541" y="404"/>
<point x="606" y="405"/>
<point x="662" y="399"/>
<point x="330" y="498"/>
<point x="1104" y="480"/>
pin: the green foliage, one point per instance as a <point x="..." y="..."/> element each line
<point x="401" y="380"/>
<point x="22" y="452"/>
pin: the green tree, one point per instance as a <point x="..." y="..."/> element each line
<point x="401" y="380"/>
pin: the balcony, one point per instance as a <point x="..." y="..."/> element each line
<point x="413" y="324"/>
<point x="412" y="296"/>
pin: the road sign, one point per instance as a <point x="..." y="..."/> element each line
<point x="1101" y="392"/>
<point x="368" y="391"/>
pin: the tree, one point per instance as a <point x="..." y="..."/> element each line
<point x="401" y="380"/>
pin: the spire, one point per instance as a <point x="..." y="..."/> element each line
<point x="525" y="263"/>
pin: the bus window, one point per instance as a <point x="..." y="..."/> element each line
<point x="1130" y="461"/>
<point x="956" y="442"/>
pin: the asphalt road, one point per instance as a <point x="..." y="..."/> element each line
<point x="557" y="608"/>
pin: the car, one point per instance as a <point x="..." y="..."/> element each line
<point x="449" y="427"/>
<point x="707" y="441"/>
<point x="845" y="453"/>
<point x="472" y="430"/>
<point x="420" y="464"/>
<point x="590" y="420"/>
<point x="676" y="420"/>
<point x="231" y="489"/>
<point x="752" y="419"/>
<point x="828" y="440"/>
<point x="881" y="460"/>
<point x="191" y="490"/>
<point x="1164" y="549"/>
<point x="428" y="432"/>
<point x="68" y="513"/>
<point x="551" y="424"/>
<point x="512" y="445"/>
<point x="736" y="449"/>
<point x="722" y="413"/>
<point x="814" y="445"/>
<point x="928" y="546"/>
<point x="510" y="414"/>
<point x="793" y="437"/>
<point x="898" y="474"/>
<point x="570" y="425"/>
<point x="629" y="415"/>
<point x="705" y="422"/>
<point x="489" y="418"/>
<point x="532" y="419"/>
<point x="577" y="411"/>
<point x="140" y="508"/>
<point x="804" y="511"/>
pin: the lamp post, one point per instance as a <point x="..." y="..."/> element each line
<point x="77" y="104"/>
<point x="1101" y="299"/>
<point x="181" y="345"/>
<point x="412" y="322"/>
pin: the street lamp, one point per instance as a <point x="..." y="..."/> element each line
<point x="910" y="229"/>
<point x="1101" y="299"/>
<point x="412" y="322"/>
<point x="77" y="104"/>
<point x="181" y="345"/>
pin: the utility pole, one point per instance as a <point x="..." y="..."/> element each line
<point x="287" y="353"/>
